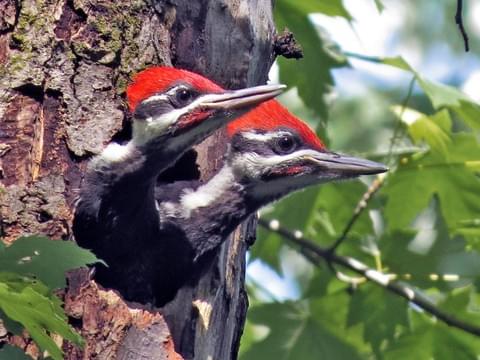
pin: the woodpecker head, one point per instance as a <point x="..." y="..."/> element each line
<point x="186" y="106"/>
<point x="273" y="153"/>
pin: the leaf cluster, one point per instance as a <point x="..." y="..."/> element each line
<point x="30" y="270"/>
<point x="423" y="227"/>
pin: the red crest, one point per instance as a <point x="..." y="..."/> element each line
<point x="270" y="115"/>
<point x="159" y="78"/>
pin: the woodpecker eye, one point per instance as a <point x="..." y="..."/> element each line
<point x="285" y="144"/>
<point x="183" y="97"/>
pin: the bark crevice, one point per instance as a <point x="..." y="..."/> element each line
<point x="64" y="67"/>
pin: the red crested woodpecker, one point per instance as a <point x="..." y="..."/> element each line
<point x="116" y="215"/>
<point x="271" y="154"/>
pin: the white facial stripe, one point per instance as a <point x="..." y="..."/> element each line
<point x="264" y="137"/>
<point x="266" y="162"/>
<point x="151" y="128"/>
<point x="162" y="97"/>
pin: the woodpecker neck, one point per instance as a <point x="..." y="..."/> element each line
<point x="208" y="212"/>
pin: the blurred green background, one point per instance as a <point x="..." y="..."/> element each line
<point x="391" y="81"/>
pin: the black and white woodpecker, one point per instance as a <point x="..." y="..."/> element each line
<point x="117" y="215"/>
<point x="271" y="154"/>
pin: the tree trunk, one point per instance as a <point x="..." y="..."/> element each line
<point x="64" y="66"/>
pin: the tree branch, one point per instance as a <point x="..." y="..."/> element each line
<point x="317" y="253"/>
<point x="361" y="206"/>
<point x="459" y="22"/>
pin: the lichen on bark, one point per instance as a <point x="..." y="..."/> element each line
<point x="64" y="67"/>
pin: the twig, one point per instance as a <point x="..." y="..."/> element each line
<point x="398" y="126"/>
<point x="459" y="22"/>
<point x="379" y="278"/>
<point x="361" y="206"/>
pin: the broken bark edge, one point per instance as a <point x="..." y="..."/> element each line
<point x="112" y="328"/>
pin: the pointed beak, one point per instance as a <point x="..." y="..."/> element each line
<point x="345" y="166"/>
<point x="240" y="99"/>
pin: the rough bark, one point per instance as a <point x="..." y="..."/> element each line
<point x="64" y="66"/>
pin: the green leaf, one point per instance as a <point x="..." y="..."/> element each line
<point x="320" y="282"/>
<point x="469" y="112"/>
<point x="38" y="314"/>
<point x="42" y="258"/>
<point x="397" y="62"/>
<point x="12" y="326"/>
<point x="329" y="8"/>
<point x="8" y="352"/>
<point x="312" y="74"/>
<point x="441" y="95"/>
<point x="434" y="252"/>
<point x="321" y="213"/>
<point x="434" y="130"/>
<point x="293" y="212"/>
<point x="331" y="312"/>
<point x="459" y="304"/>
<point x="379" y="5"/>
<point x="17" y="283"/>
<point x="380" y="312"/>
<point x="450" y="174"/>
<point x="433" y="340"/>
<point x="294" y="334"/>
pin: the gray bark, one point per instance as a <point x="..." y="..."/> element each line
<point x="64" y="66"/>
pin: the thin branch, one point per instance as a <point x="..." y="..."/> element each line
<point x="398" y="125"/>
<point x="379" y="278"/>
<point x="361" y="206"/>
<point x="459" y="22"/>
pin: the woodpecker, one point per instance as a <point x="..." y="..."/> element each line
<point x="116" y="214"/>
<point x="271" y="154"/>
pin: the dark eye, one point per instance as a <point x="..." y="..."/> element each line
<point x="183" y="97"/>
<point x="285" y="144"/>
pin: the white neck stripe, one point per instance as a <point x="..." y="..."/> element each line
<point x="207" y="193"/>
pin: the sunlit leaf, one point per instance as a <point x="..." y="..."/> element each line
<point x="434" y="130"/>
<point x="44" y="259"/>
<point x="440" y="94"/>
<point x="38" y="314"/>
<point x="451" y="174"/>
<point x="469" y="112"/>
<point x="398" y="62"/>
